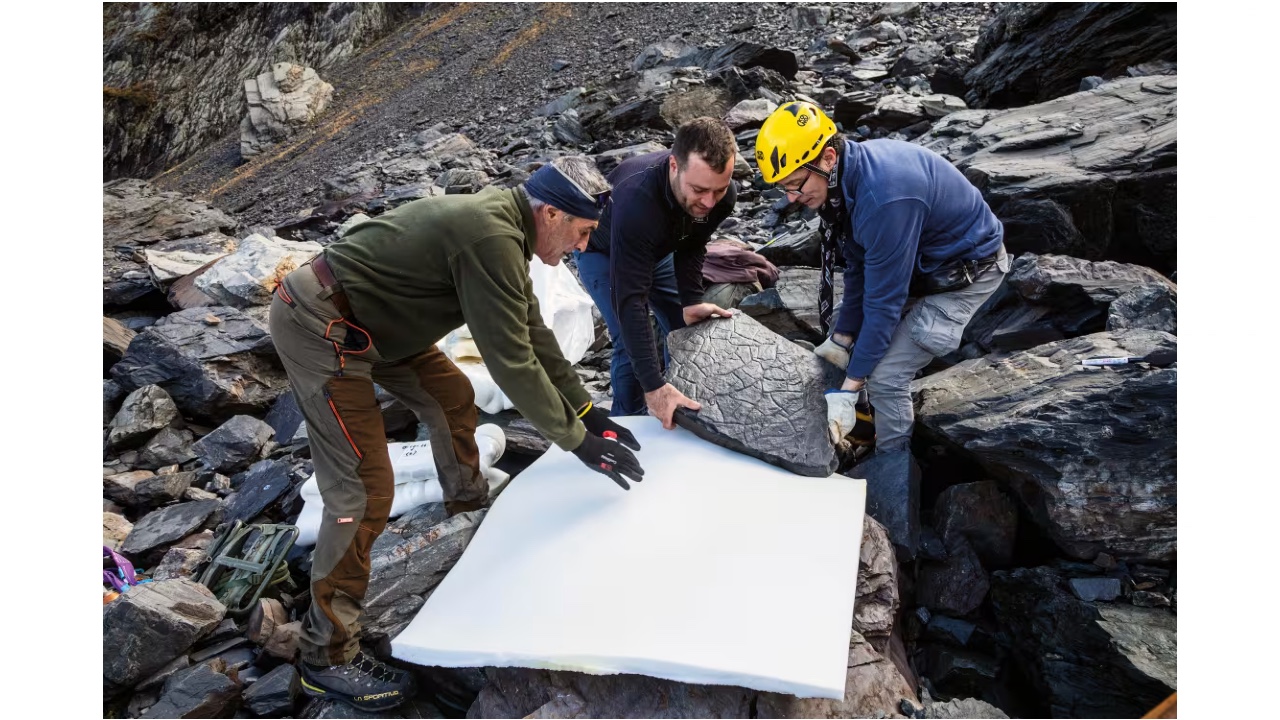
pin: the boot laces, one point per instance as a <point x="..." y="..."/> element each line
<point x="377" y="670"/>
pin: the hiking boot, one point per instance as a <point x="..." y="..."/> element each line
<point x="363" y="683"/>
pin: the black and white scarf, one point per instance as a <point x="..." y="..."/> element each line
<point x="831" y="226"/>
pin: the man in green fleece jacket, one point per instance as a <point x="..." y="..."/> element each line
<point x="371" y="308"/>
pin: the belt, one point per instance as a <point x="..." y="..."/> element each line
<point x="324" y="274"/>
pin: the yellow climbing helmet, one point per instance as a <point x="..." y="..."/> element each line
<point x="792" y="136"/>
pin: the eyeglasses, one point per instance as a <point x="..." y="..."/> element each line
<point x="602" y="199"/>
<point x="799" y="189"/>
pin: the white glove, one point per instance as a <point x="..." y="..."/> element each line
<point x="842" y="413"/>
<point x="834" y="353"/>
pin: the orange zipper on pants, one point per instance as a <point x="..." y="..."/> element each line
<point x="342" y="425"/>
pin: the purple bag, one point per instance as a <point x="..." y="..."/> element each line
<point x="118" y="572"/>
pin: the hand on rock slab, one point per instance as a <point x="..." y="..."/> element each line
<point x="597" y="421"/>
<point x="702" y="311"/>
<point x="842" y="413"/>
<point x="609" y="457"/>
<point x="664" y="401"/>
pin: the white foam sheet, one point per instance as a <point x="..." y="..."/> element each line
<point x="717" y="568"/>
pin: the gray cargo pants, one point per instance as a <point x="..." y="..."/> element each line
<point x="931" y="327"/>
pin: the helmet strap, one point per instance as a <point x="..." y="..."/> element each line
<point x="815" y="169"/>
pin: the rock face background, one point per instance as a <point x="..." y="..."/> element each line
<point x="173" y="73"/>
<point x="1018" y="560"/>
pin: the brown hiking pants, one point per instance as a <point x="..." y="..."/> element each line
<point x="332" y="366"/>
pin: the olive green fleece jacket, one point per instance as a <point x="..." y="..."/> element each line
<point x="418" y="272"/>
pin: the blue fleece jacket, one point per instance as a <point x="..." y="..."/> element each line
<point x="909" y="211"/>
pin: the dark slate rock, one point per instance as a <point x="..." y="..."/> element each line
<point x="1039" y="423"/>
<point x="568" y="130"/>
<point x="285" y="417"/>
<point x="950" y="630"/>
<point x="257" y="488"/>
<point x="657" y="53"/>
<point x="148" y="627"/>
<point x="157" y="530"/>
<point x="743" y="55"/>
<point x="790" y="307"/>
<point x="522" y="692"/>
<point x="959" y="672"/>
<point x="112" y="394"/>
<point x="1091" y="175"/>
<point x="893" y="496"/>
<point x="212" y="370"/>
<point x="333" y="710"/>
<point x="562" y="103"/>
<point x="983" y="515"/>
<point x="1149" y="599"/>
<point x="761" y="395"/>
<point x="145" y="412"/>
<point x="1032" y="52"/>
<point x="234" y="444"/>
<point x="409" y="560"/>
<point x="917" y="60"/>
<point x="608" y="160"/>
<point x="1153" y="307"/>
<point x="1065" y="281"/>
<point x="275" y="693"/>
<point x="957" y="585"/>
<point x="162" y="489"/>
<point x="1086" y="659"/>
<point x="802" y="247"/>
<point x="853" y="105"/>
<point x="179" y="562"/>
<point x="1095" y="588"/>
<point x="170" y="446"/>
<point x="197" y="692"/>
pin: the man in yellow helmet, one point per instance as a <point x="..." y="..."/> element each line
<point x="916" y="236"/>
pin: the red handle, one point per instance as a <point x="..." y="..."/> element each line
<point x="610" y="435"/>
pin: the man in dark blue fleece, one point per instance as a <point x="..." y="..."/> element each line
<point x="647" y="252"/>
<point x="922" y="252"/>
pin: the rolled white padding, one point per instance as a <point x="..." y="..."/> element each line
<point x="416" y="479"/>
<point x="717" y="568"/>
<point x="566" y="309"/>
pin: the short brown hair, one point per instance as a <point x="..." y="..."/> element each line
<point x="707" y="136"/>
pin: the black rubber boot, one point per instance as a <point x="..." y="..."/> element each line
<point x="362" y="683"/>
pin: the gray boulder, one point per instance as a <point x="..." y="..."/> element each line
<point x="121" y="487"/>
<point x="1054" y="297"/>
<point x="749" y="114"/>
<point x="1153" y="307"/>
<point x="169" y="260"/>
<point x="250" y="275"/>
<point x="274" y="693"/>
<point x="761" y="394"/>
<point x="1086" y="659"/>
<point x="148" y="627"/>
<point x="873" y="687"/>
<point x="1032" y="52"/>
<point x="280" y="102"/>
<point x="741" y="54"/>
<point x="214" y="362"/>
<point x="801" y="246"/>
<point x="522" y="692"/>
<point x="234" y="444"/>
<point x="1092" y="174"/>
<point x="982" y="514"/>
<point x="179" y="562"/>
<point x="957" y="585"/>
<point x="170" y="446"/>
<point x="112" y="395"/>
<point x="876" y="606"/>
<point x="156" y="531"/>
<point x="1038" y="422"/>
<point x="198" y="692"/>
<point x="162" y="489"/>
<point x="790" y="307"/>
<point x="657" y="53"/>
<point x="137" y="212"/>
<point x="145" y="412"/>
<point x="409" y="560"/>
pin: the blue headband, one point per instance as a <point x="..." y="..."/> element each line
<point x="551" y="186"/>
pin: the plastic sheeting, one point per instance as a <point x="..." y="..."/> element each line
<point x="416" y="478"/>
<point x="717" y="568"/>
<point x="566" y="309"/>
